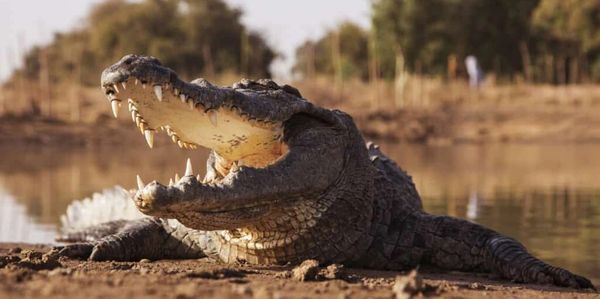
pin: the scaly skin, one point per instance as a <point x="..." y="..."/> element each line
<point x="320" y="194"/>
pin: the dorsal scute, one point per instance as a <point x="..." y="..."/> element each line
<point x="265" y="85"/>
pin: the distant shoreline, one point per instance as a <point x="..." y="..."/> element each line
<point x="434" y="127"/>
<point x="442" y="113"/>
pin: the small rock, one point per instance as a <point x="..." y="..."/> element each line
<point x="31" y="254"/>
<point x="407" y="286"/>
<point x="307" y="271"/>
<point x="15" y="250"/>
<point x="333" y="271"/>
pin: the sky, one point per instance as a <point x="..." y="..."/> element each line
<point x="285" y="24"/>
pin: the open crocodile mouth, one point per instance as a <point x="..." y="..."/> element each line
<point x="237" y="137"/>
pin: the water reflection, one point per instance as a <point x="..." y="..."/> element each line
<point x="547" y="196"/>
<point x="17" y="226"/>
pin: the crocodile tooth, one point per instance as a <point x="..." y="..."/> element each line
<point x="158" y="92"/>
<point x="182" y="97"/>
<point x="138" y="120"/>
<point x="191" y="104"/>
<point x="175" y="91"/>
<point x="140" y="183"/>
<point x="180" y="143"/>
<point x="133" y="115"/>
<point x="136" y="82"/>
<point x="177" y="177"/>
<point x="188" y="168"/>
<point x="116" y="88"/>
<point x="170" y="182"/>
<point x="114" y="104"/>
<point x="174" y="138"/>
<point x="144" y="85"/>
<point x="124" y="84"/>
<point x="149" y="134"/>
<point x="212" y="116"/>
<point x="198" y="177"/>
<point x="234" y="166"/>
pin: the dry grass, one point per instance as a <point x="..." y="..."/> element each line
<point x="424" y="110"/>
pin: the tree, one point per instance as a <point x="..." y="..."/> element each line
<point x="569" y="32"/>
<point x="428" y="31"/>
<point x="342" y="50"/>
<point x="194" y="37"/>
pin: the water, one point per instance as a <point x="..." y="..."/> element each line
<point x="547" y="196"/>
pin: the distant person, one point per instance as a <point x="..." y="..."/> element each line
<point x="474" y="71"/>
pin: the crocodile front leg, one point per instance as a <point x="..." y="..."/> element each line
<point x="147" y="238"/>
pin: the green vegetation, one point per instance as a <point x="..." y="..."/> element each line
<point x="551" y="41"/>
<point x="538" y="41"/>
<point x="192" y="36"/>
<point x="343" y="50"/>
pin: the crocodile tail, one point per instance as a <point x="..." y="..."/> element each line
<point x="456" y="244"/>
<point x="108" y="205"/>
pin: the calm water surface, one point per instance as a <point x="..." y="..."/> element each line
<point x="547" y="196"/>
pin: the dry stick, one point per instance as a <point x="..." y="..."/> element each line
<point x="526" y="60"/>
<point x="244" y="54"/>
<point x="561" y="69"/>
<point x="399" y="80"/>
<point x="549" y="68"/>
<point x="22" y="96"/>
<point x="44" y="81"/>
<point x="574" y="71"/>
<point x="2" y="91"/>
<point x="310" y="60"/>
<point x="337" y="61"/>
<point x="374" y="68"/>
<point x="75" y="102"/>
<point x="209" y="68"/>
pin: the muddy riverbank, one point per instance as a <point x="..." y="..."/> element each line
<point x="25" y="272"/>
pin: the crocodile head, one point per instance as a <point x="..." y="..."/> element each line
<point x="272" y="150"/>
<point x="195" y="114"/>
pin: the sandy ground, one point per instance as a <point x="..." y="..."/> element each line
<point x="25" y="272"/>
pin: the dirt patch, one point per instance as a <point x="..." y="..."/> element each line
<point x="64" y="278"/>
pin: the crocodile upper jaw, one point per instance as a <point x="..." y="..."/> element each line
<point x="233" y="136"/>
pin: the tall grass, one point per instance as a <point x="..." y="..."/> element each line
<point x="74" y="103"/>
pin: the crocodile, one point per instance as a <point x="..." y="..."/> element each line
<point x="286" y="181"/>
